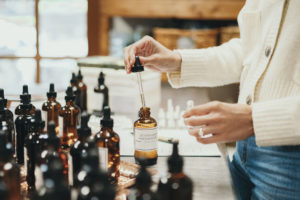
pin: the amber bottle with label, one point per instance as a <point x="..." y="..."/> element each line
<point x="68" y="120"/>
<point x="75" y="88"/>
<point x="9" y="170"/>
<point x="83" y="92"/>
<point x="176" y="185"/>
<point x="30" y="148"/>
<point x="7" y="118"/>
<point x="108" y="143"/>
<point x="25" y="112"/>
<point x="102" y="96"/>
<point x="84" y="132"/>
<point x="145" y="137"/>
<point x="51" y="108"/>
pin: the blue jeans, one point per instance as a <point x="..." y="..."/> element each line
<point x="271" y="173"/>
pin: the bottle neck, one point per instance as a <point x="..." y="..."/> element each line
<point x="177" y="175"/>
<point x="70" y="103"/>
<point x="144" y="113"/>
<point x="105" y="128"/>
<point x="51" y="99"/>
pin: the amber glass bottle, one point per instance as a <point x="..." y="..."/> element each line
<point x="75" y="88"/>
<point x="175" y="186"/>
<point x="145" y="137"/>
<point x="7" y="118"/>
<point x="83" y="92"/>
<point x="51" y="108"/>
<point x="108" y="143"/>
<point x="9" y="170"/>
<point x="25" y="112"/>
<point x="102" y="96"/>
<point x="68" y="120"/>
<point x="84" y="132"/>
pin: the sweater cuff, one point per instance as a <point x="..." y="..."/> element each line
<point x="275" y="123"/>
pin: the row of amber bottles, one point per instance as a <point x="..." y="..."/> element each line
<point x="175" y="185"/>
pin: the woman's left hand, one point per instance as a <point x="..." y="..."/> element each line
<point x="226" y="122"/>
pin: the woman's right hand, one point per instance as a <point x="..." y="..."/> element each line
<point x="153" y="55"/>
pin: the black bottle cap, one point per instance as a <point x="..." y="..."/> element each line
<point x="3" y="101"/>
<point x="73" y="79"/>
<point x="38" y="121"/>
<point x="52" y="137"/>
<point x="143" y="179"/>
<point x="1" y="93"/>
<point x="25" y="96"/>
<point x="69" y="94"/>
<point x="107" y="121"/>
<point x="175" y="161"/>
<point x="101" y="78"/>
<point x="137" y="67"/>
<point x="51" y="92"/>
<point x="79" y="75"/>
<point x="83" y="130"/>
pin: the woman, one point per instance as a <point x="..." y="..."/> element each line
<point x="266" y="120"/>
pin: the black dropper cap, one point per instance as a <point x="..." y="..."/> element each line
<point x="3" y="101"/>
<point x="69" y="94"/>
<point x="101" y="78"/>
<point x="1" y="93"/>
<point x="51" y="92"/>
<point x="143" y="179"/>
<point x="52" y="137"/>
<point x="107" y="121"/>
<point x="38" y="121"/>
<point x="25" y="96"/>
<point x="79" y="75"/>
<point x="83" y="130"/>
<point x="73" y="79"/>
<point x="175" y="161"/>
<point x="137" y="67"/>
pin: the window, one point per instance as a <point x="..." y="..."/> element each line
<point x="40" y="39"/>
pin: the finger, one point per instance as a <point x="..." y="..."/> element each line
<point x="148" y="60"/>
<point x="197" y="120"/>
<point x="202" y="109"/>
<point x="206" y="130"/>
<point x="126" y="59"/>
<point x="131" y="56"/>
<point x="151" y="67"/>
<point x="211" y="140"/>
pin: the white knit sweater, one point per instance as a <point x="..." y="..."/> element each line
<point x="266" y="62"/>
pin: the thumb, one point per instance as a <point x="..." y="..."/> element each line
<point x="149" y="60"/>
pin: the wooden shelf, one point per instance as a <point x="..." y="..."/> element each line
<point x="101" y="11"/>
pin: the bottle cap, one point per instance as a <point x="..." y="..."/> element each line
<point x="101" y="78"/>
<point x="3" y="101"/>
<point x="107" y="121"/>
<point x="38" y="121"/>
<point x="83" y="129"/>
<point x="52" y="137"/>
<point x="69" y="94"/>
<point x="51" y="92"/>
<point x="73" y="79"/>
<point x="137" y="67"/>
<point x="143" y="179"/>
<point x="79" y="75"/>
<point x="1" y="93"/>
<point x="25" y="96"/>
<point x="175" y="161"/>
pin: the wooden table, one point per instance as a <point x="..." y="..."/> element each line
<point x="209" y="174"/>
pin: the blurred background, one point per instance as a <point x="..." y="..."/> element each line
<point x="41" y="40"/>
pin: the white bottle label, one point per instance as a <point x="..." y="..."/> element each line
<point x="45" y="118"/>
<point x="70" y="169"/>
<point x="103" y="158"/>
<point x="99" y="99"/>
<point x="145" y="139"/>
<point x="39" y="182"/>
<point x="61" y="126"/>
<point x="25" y="160"/>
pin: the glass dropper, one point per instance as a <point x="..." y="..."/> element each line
<point x="137" y="68"/>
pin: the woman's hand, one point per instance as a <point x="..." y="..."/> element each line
<point x="226" y="122"/>
<point x="153" y="55"/>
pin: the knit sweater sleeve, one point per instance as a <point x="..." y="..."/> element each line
<point x="209" y="67"/>
<point x="277" y="122"/>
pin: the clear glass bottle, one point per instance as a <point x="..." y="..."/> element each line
<point x="84" y="132"/>
<point x="8" y="118"/>
<point x="102" y="96"/>
<point x="68" y="120"/>
<point x="145" y="137"/>
<point x="175" y="186"/>
<point x="108" y="142"/>
<point x="142" y="186"/>
<point x="51" y="108"/>
<point x="25" y="112"/>
<point x="30" y="148"/>
<point x="75" y="88"/>
<point x="83" y="92"/>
